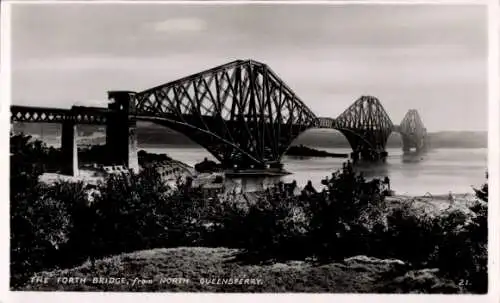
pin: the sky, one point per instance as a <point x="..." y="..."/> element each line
<point x="432" y="58"/>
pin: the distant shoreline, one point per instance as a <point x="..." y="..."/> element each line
<point x="166" y="145"/>
<point x="55" y="140"/>
<point x="157" y="136"/>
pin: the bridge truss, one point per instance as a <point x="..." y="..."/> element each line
<point x="241" y="112"/>
<point x="366" y="126"/>
<point x="413" y="131"/>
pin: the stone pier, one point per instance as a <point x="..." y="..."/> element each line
<point x="69" y="149"/>
<point x="121" y="136"/>
<point x="409" y="144"/>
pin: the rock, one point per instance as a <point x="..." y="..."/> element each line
<point x="422" y="281"/>
<point x="365" y="262"/>
<point x="372" y="260"/>
<point x="206" y="166"/>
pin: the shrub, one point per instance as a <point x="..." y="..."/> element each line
<point x="42" y="216"/>
<point x="129" y="213"/>
<point x="39" y="225"/>
<point x="462" y="253"/>
<point x="139" y="212"/>
<point x="411" y="235"/>
<point x="26" y="156"/>
<point x="33" y="227"/>
<point x="59" y="225"/>
<point x="274" y="227"/>
<point x="344" y="216"/>
<point x="331" y="224"/>
<point x="455" y="242"/>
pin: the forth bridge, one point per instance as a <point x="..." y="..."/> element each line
<point x="241" y="112"/>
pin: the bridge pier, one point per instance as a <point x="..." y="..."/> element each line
<point x="121" y="136"/>
<point x="368" y="155"/>
<point x="407" y="146"/>
<point x="419" y="145"/>
<point x="69" y="149"/>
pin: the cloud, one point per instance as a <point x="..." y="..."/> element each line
<point x="179" y="25"/>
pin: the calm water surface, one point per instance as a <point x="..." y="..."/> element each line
<point x="437" y="172"/>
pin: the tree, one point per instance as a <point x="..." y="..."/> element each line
<point x="482" y="193"/>
<point x="38" y="221"/>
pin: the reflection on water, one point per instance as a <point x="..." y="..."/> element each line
<point x="412" y="157"/>
<point x="438" y="172"/>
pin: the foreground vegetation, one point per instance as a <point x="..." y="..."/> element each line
<point x="169" y="269"/>
<point x="66" y="224"/>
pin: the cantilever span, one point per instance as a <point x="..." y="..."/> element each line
<point x="413" y="131"/>
<point x="363" y="126"/>
<point x="242" y="112"/>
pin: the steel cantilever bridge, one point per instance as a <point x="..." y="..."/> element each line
<point x="241" y="112"/>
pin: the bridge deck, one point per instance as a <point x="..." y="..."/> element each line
<point x="77" y="114"/>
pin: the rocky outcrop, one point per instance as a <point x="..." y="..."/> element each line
<point x="304" y="151"/>
<point x="207" y="166"/>
<point x="364" y="263"/>
<point x="427" y="281"/>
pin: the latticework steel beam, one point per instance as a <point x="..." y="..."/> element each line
<point x="365" y="124"/>
<point x="77" y="114"/>
<point x="241" y="112"/>
<point x="38" y="114"/>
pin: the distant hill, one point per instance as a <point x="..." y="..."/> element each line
<point x="444" y="139"/>
<point x="461" y="139"/>
<point x="151" y="134"/>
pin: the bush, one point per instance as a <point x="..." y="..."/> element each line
<point x="455" y="242"/>
<point x="344" y="216"/>
<point x="331" y="224"/>
<point x="63" y="224"/>
<point x="26" y="156"/>
<point x="129" y="213"/>
<point x="42" y="222"/>
<point x="34" y="228"/>
<point x="38" y="227"/>
<point x="411" y="236"/>
<point x="272" y="228"/>
<point x="135" y="212"/>
<point x="349" y="218"/>
<point x="462" y="253"/>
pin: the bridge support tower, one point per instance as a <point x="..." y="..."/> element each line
<point x="121" y="136"/>
<point x="418" y="144"/>
<point x="69" y="149"/>
<point x="407" y="144"/>
<point x="368" y="155"/>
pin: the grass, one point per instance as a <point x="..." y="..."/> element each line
<point x="220" y="263"/>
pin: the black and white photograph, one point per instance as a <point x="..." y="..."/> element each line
<point x="249" y="148"/>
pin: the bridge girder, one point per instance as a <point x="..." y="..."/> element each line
<point x="77" y="114"/>
<point x="365" y="124"/>
<point x="241" y="112"/>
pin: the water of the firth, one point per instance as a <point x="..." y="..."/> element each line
<point x="439" y="172"/>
